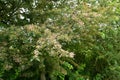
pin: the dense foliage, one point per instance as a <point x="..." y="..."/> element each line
<point x="59" y="40"/>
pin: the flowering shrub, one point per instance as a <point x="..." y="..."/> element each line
<point x="27" y="45"/>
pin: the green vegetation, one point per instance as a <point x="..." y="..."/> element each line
<point x="59" y="40"/>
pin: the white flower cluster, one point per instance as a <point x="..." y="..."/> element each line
<point x="50" y="44"/>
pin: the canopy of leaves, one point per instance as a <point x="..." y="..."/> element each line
<point x="59" y="40"/>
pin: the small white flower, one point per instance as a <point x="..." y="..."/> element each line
<point x="36" y="53"/>
<point x="71" y="54"/>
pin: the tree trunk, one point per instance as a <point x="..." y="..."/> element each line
<point x="42" y="76"/>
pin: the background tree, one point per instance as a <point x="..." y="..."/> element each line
<point x="21" y="12"/>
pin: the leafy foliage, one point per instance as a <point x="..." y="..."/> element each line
<point x="65" y="40"/>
